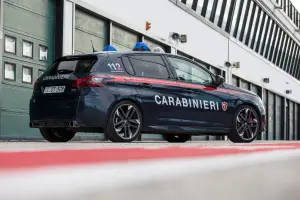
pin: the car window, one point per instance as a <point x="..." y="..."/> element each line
<point x="113" y="65"/>
<point x="73" y="65"/>
<point x="189" y="72"/>
<point x="127" y="65"/>
<point x="149" y="66"/>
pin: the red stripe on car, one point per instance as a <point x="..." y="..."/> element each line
<point x="171" y="83"/>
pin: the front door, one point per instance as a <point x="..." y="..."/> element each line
<point x="157" y="90"/>
<point x="201" y="106"/>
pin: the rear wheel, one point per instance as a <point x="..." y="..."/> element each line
<point x="56" y="135"/>
<point x="173" y="138"/>
<point x="245" y="125"/>
<point x="124" y="123"/>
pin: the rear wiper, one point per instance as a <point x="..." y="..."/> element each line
<point x="64" y="71"/>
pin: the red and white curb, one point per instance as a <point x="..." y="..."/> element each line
<point x="74" y="173"/>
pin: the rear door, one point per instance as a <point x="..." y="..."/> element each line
<point x="202" y="105"/>
<point x="157" y="90"/>
<point x="54" y="90"/>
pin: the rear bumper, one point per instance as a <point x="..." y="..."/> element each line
<point x="56" y="123"/>
<point x="88" y="112"/>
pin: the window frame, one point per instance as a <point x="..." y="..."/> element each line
<point x="15" y="71"/>
<point x="170" y="73"/>
<point x="41" y="45"/>
<point x="13" y="37"/>
<point x="213" y="77"/>
<point x="31" y="70"/>
<point x="27" y="41"/>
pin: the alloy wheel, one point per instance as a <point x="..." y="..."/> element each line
<point x="247" y="124"/>
<point x="126" y="121"/>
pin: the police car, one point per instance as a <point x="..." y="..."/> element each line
<point x="124" y="94"/>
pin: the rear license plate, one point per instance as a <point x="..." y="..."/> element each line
<point x="54" y="89"/>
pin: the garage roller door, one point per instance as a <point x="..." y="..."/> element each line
<point x="271" y="115"/>
<point x="152" y="44"/>
<point x="245" y="84"/>
<point x="265" y="100"/>
<point x="278" y="117"/>
<point x="291" y="121"/>
<point x="297" y="121"/>
<point x="89" y="28"/>
<point x="235" y="81"/>
<point x="123" y="39"/>
<point x="28" y="29"/>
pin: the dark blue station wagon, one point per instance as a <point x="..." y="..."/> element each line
<point x="124" y="94"/>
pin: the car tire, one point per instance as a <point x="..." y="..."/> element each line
<point x="56" y="135"/>
<point x="237" y="135"/>
<point x="173" y="138"/>
<point x="124" y="122"/>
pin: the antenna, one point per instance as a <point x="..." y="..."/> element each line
<point x="93" y="47"/>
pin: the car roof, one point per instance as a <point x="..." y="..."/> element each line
<point x="115" y="53"/>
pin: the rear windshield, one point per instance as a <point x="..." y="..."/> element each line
<point x="74" y="65"/>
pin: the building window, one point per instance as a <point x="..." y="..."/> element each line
<point x="27" y="75"/>
<point x="41" y="72"/>
<point x="27" y="49"/>
<point x="10" y="44"/>
<point x="43" y="53"/>
<point x="9" y="71"/>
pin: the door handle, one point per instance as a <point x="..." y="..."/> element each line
<point x="145" y="85"/>
<point x="189" y="90"/>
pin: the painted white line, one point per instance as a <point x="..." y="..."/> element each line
<point x="71" y="182"/>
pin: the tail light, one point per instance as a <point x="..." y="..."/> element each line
<point x="89" y="81"/>
<point x="36" y="84"/>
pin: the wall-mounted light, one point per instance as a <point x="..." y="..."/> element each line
<point x="266" y="80"/>
<point x="227" y="64"/>
<point x="288" y="91"/>
<point x="182" y="38"/>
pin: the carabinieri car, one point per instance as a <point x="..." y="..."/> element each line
<point x="124" y="94"/>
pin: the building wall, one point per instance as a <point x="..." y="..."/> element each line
<point x="101" y="22"/>
<point x="31" y="22"/>
<point x="211" y="44"/>
<point x="205" y="39"/>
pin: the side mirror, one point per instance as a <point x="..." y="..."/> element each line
<point x="219" y="80"/>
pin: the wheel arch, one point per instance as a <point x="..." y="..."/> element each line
<point x="252" y="105"/>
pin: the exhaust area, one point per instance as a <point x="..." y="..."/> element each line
<point x="74" y="124"/>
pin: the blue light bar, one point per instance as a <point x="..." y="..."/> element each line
<point x="141" y="46"/>
<point x="109" y="48"/>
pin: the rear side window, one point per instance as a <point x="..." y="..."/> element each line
<point x="149" y="66"/>
<point x="114" y="65"/>
<point x="72" y="65"/>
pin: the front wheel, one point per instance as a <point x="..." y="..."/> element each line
<point x="172" y="138"/>
<point x="245" y="125"/>
<point x="56" y="134"/>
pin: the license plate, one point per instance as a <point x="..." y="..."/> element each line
<point x="54" y="89"/>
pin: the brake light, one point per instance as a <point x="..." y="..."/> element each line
<point x="89" y="81"/>
<point x="36" y="84"/>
